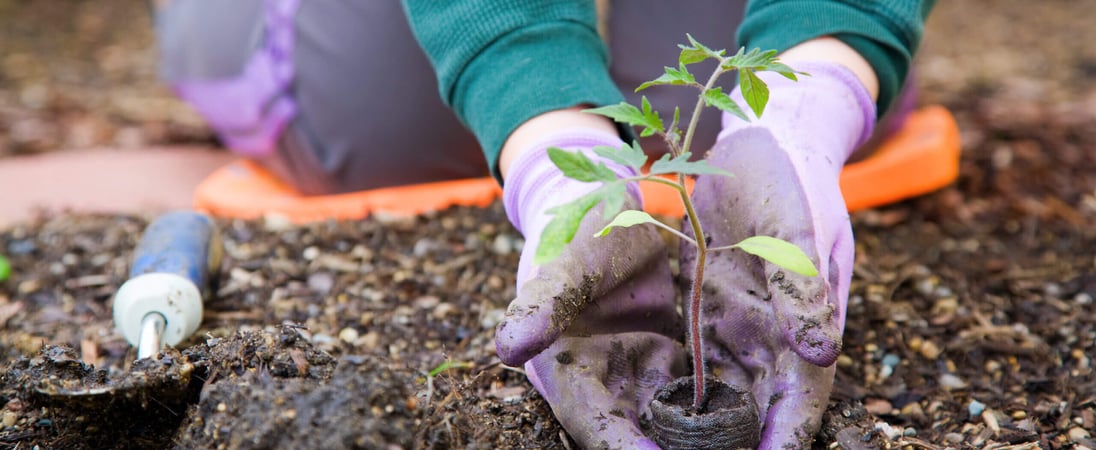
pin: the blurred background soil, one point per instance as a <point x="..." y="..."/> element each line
<point x="77" y="74"/>
<point x="971" y="321"/>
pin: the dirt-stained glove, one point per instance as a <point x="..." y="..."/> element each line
<point x="773" y="331"/>
<point x="595" y="327"/>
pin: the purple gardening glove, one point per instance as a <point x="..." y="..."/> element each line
<point x="767" y="329"/>
<point x="595" y="327"/>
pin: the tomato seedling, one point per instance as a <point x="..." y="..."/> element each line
<point x="671" y="170"/>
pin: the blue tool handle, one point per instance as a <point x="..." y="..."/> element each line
<point x="183" y="243"/>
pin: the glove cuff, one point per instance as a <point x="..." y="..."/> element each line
<point x="829" y="106"/>
<point x="535" y="184"/>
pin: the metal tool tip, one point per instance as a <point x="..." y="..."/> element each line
<point x="152" y="331"/>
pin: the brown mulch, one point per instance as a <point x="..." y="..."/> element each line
<point x="971" y="321"/>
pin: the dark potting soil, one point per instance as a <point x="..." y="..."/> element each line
<point x="971" y="321"/>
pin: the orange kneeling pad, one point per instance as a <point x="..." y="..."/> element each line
<point x="921" y="157"/>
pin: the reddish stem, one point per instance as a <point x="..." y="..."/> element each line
<point x="694" y="330"/>
<point x="694" y="305"/>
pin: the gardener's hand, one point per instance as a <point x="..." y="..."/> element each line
<point x="765" y="328"/>
<point x="595" y="327"/>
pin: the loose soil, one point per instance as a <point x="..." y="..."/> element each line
<point x="971" y="321"/>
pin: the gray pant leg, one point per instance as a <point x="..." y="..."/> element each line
<point x="643" y="38"/>
<point x="206" y="39"/>
<point x="369" y="110"/>
<point x="369" y="114"/>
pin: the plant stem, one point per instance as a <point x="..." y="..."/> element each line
<point x="701" y="256"/>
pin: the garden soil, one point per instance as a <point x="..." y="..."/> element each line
<point x="971" y="320"/>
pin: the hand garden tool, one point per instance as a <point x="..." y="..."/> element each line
<point x="161" y="303"/>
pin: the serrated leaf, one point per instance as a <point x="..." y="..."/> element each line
<point x="696" y="52"/>
<point x="629" y="114"/>
<point x="621" y="112"/>
<point x="577" y="166"/>
<point x="652" y="120"/>
<point x="784" y="70"/>
<point x="691" y="55"/>
<point x="779" y="252"/>
<point x="672" y="76"/>
<point x="715" y="97"/>
<point x="628" y="155"/>
<point x="754" y="91"/>
<point x="754" y="59"/>
<point x="681" y="164"/>
<point x="561" y="229"/>
<point x="625" y="219"/>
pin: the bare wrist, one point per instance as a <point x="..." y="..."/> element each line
<point x="528" y="133"/>
<point x="833" y="50"/>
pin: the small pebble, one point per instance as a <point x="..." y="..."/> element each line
<point x="321" y="339"/>
<point x="953" y="438"/>
<point x="951" y="382"/>
<point x="443" y="310"/>
<point x="1083" y="298"/>
<point x="975" y="408"/>
<point x="844" y="361"/>
<point x="1019" y="415"/>
<point x="221" y="407"/>
<point x="503" y="244"/>
<point x="310" y="253"/>
<point x="10" y="418"/>
<point x="909" y="432"/>
<point x="930" y="350"/>
<point x="945" y="306"/>
<point x="890" y="432"/>
<point x="370" y="340"/>
<point x="913" y="410"/>
<point x="992" y="366"/>
<point x="915" y="343"/>
<point x="885" y="372"/>
<point x="1078" y="434"/>
<point x="891" y="360"/>
<point x="348" y="335"/>
<point x="926" y="286"/>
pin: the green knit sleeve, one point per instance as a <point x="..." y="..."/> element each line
<point x="500" y="63"/>
<point x="885" y="32"/>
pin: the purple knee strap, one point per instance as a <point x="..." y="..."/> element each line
<point x="250" y="111"/>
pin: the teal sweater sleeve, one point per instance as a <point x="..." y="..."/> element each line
<point x="500" y="63"/>
<point x="885" y="32"/>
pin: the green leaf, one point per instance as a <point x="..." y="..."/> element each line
<point x="626" y="219"/>
<point x="626" y="113"/>
<point x="715" y="97"/>
<point x="755" y="59"/>
<point x="681" y="164"/>
<point x="672" y="76"/>
<point x="448" y="365"/>
<point x="577" y="166"/>
<point x="753" y="90"/>
<point x="697" y="52"/>
<point x="628" y="155"/>
<point x="561" y="229"/>
<point x="691" y="55"/>
<point x="5" y="268"/>
<point x="784" y="70"/>
<point x="621" y="112"/>
<point x="613" y="195"/>
<point x="779" y="252"/>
